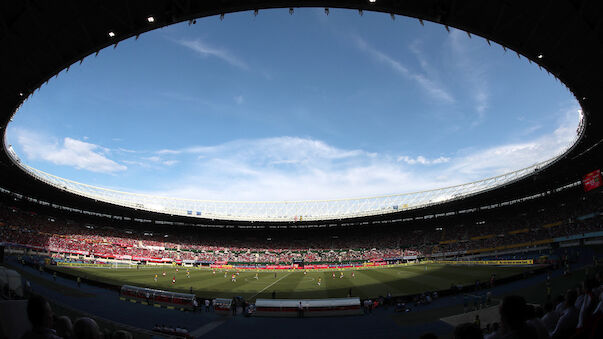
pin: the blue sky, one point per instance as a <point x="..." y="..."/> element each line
<point x="287" y="107"/>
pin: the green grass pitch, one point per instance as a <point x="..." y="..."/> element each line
<point x="365" y="283"/>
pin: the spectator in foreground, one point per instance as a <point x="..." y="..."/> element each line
<point x="40" y="316"/>
<point x="513" y="319"/>
<point x="589" y="302"/>
<point x="86" y="328"/>
<point x="64" y="327"/>
<point x="568" y="321"/>
<point x="468" y="331"/>
<point x="550" y="318"/>
<point x="536" y="322"/>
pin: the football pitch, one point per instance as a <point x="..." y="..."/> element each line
<point x="252" y="284"/>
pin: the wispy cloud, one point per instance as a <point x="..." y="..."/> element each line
<point x="432" y="87"/>
<point x="159" y="160"/>
<point x="187" y="150"/>
<point x="422" y="160"/>
<point x="508" y="157"/>
<point x="292" y="168"/>
<point x="170" y="162"/>
<point x="277" y="148"/>
<point x="474" y="73"/>
<point x="206" y="50"/>
<point x="125" y="150"/>
<point x="67" y="152"/>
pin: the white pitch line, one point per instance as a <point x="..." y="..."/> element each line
<point x="267" y="287"/>
<point x="206" y="328"/>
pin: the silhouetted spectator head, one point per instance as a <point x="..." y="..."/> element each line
<point x="495" y="327"/>
<point x="513" y="312"/>
<point x="121" y="334"/>
<point x="590" y="284"/>
<point x="539" y="312"/>
<point x="570" y="297"/>
<point x="86" y="328"/>
<point x="548" y="306"/>
<point x="560" y="299"/>
<point x="39" y="312"/>
<point x="468" y="331"/>
<point x="530" y="312"/>
<point x="64" y="327"/>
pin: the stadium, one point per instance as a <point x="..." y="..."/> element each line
<point x="401" y="265"/>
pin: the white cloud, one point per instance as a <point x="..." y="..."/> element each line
<point x="431" y="86"/>
<point x="205" y="50"/>
<point x="277" y="149"/>
<point x="68" y="152"/>
<point x="422" y="160"/>
<point x="292" y="168"/>
<point x="190" y="150"/>
<point x="159" y="160"/>
<point x="121" y="149"/>
<point x="153" y="158"/>
<point x="169" y="151"/>
<point x="137" y="163"/>
<point x="505" y="158"/>
<point x="473" y="71"/>
<point x="170" y="162"/>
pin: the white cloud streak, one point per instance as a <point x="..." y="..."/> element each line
<point x="206" y="50"/>
<point x="422" y="160"/>
<point x="291" y="168"/>
<point x="513" y="156"/>
<point x="474" y="73"/>
<point x="158" y="160"/>
<point x="68" y="152"/>
<point x="432" y="87"/>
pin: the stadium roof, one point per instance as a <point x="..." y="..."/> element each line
<point x="42" y="38"/>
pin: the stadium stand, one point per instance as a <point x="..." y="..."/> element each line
<point x="509" y="228"/>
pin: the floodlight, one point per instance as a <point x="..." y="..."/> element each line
<point x="372" y="1"/>
<point x="540" y="56"/>
<point x="151" y="19"/>
<point x="111" y="34"/>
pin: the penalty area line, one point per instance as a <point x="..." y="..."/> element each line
<point x="267" y="287"/>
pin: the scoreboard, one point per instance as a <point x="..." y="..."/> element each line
<point x="592" y="180"/>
